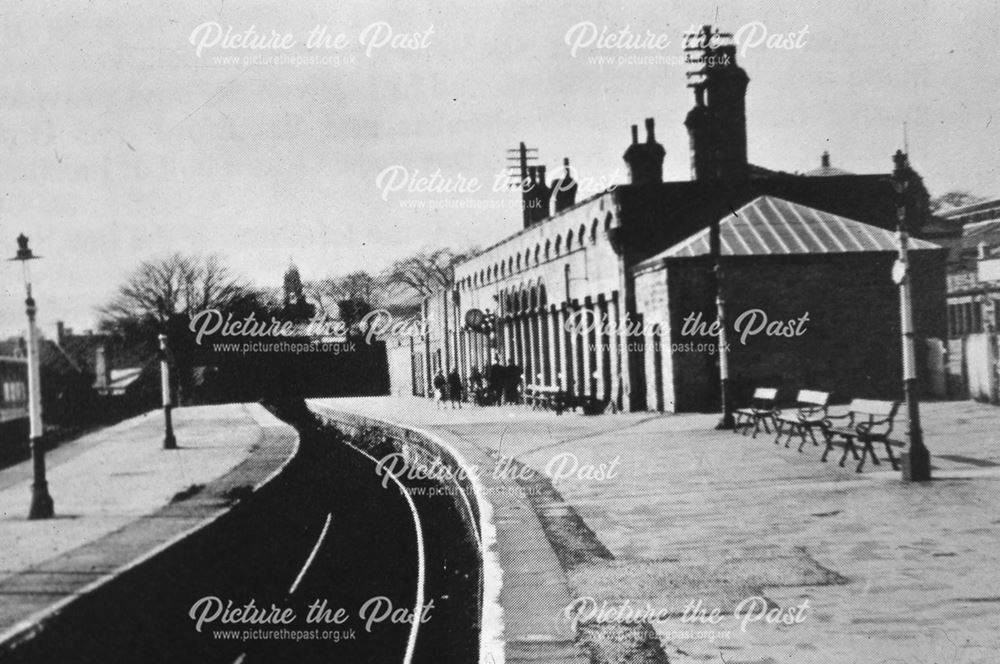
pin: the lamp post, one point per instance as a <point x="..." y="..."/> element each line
<point x="726" y="422"/>
<point x="41" y="501"/>
<point x="917" y="460"/>
<point x="169" y="441"/>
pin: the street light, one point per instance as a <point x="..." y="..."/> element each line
<point x="169" y="441"/>
<point x="727" y="421"/>
<point x="41" y="501"/>
<point x="917" y="461"/>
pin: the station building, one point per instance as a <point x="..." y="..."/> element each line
<point x="610" y="256"/>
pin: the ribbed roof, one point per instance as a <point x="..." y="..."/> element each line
<point x="773" y="226"/>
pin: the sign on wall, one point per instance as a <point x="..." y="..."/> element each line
<point x="989" y="270"/>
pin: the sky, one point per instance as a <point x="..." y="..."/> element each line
<point x="129" y="131"/>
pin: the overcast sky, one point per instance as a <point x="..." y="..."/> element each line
<point x="121" y="142"/>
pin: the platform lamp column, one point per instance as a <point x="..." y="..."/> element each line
<point x="169" y="440"/>
<point x="41" y="501"/>
<point x="917" y="460"/>
<point x="715" y="279"/>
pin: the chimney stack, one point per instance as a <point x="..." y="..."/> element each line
<point x="60" y="332"/>
<point x="645" y="160"/>
<point x="564" y="189"/>
<point x="825" y="160"/>
<point x="717" y="125"/>
<point x="536" y="196"/>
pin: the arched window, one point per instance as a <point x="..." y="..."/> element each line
<point x="569" y="242"/>
<point x="548" y="249"/>
<point x="558" y="244"/>
<point x="518" y="263"/>
<point x="593" y="232"/>
<point x="538" y="254"/>
<point x="581" y="234"/>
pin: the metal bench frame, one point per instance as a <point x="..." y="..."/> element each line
<point x="868" y="421"/>
<point x="809" y="414"/>
<point x="760" y="411"/>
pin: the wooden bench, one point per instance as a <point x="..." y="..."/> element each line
<point x="542" y="396"/>
<point x="808" y="415"/>
<point x="760" y="411"/>
<point x="866" y="421"/>
<point x="554" y="398"/>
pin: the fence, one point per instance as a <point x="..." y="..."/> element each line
<point x="13" y="389"/>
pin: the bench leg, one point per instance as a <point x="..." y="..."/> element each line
<point x="829" y="446"/>
<point x="871" y="452"/>
<point x="892" y="457"/>
<point x="757" y="419"/>
<point x="811" y="435"/>
<point x="794" y="429"/>
<point x="867" y="451"/>
<point x="848" y="447"/>
<point x="778" y="426"/>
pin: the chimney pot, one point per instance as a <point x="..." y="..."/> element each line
<point x="635" y="134"/>
<point x="825" y="159"/>
<point x="650" y="134"/>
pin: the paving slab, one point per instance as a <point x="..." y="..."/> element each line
<point x="120" y="497"/>
<point x="705" y="520"/>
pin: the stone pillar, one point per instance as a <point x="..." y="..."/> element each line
<point x="529" y="349"/>
<point x="539" y="347"/>
<point x="614" y="341"/>
<point x="571" y="344"/>
<point x="551" y="349"/>
<point x="522" y="343"/>
<point x="579" y="345"/>
<point x="507" y="348"/>
<point x="600" y="365"/>
<point x="587" y="340"/>
<point x="559" y="339"/>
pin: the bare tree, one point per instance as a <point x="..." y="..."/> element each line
<point x="427" y="271"/>
<point x="954" y="199"/>
<point x="358" y="286"/>
<point x="178" y="284"/>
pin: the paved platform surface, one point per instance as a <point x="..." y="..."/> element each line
<point x="107" y="483"/>
<point x="891" y="572"/>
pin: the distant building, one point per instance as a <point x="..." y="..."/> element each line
<point x="973" y="239"/>
<point x="585" y="257"/>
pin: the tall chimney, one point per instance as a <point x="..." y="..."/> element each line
<point x="564" y="189"/>
<point x="717" y="123"/>
<point x="60" y="332"/>
<point x="645" y="160"/>
<point x="825" y="159"/>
